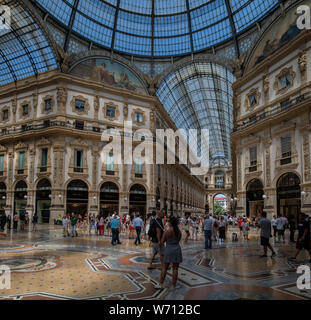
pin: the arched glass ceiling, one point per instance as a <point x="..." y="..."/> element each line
<point x="24" y="50"/>
<point x="157" y="27"/>
<point x="199" y="96"/>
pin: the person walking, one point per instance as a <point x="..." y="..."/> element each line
<point x="275" y="230"/>
<point x="245" y="228"/>
<point x="280" y="225"/>
<point x="172" y="251"/>
<point x="35" y="222"/>
<point x="73" y="223"/>
<point x="292" y="228"/>
<point x="15" y="221"/>
<point x="208" y="231"/>
<point x="101" y="225"/>
<point x="92" y="224"/>
<point x="222" y="230"/>
<point x="138" y="225"/>
<point x="156" y="231"/>
<point x="65" y="222"/>
<point x="265" y="235"/>
<point x="9" y="220"/>
<point x="187" y="228"/>
<point x="195" y="227"/>
<point x="115" y="226"/>
<point x="303" y="241"/>
<point x="22" y="220"/>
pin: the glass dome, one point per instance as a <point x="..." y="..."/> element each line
<point x="157" y="28"/>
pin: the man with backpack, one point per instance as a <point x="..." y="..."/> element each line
<point x="155" y="234"/>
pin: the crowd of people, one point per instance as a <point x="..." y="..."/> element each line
<point x="164" y="234"/>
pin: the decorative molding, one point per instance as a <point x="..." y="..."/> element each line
<point x="266" y="87"/>
<point x="9" y="114"/>
<point x="140" y="111"/>
<point x="284" y="72"/>
<point x="302" y="63"/>
<point x="116" y="109"/>
<point x="20" y="113"/>
<point x="86" y="105"/>
<point x="48" y="97"/>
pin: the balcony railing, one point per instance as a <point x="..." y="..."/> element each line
<point x="276" y="109"/>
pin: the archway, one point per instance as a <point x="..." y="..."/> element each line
<point x="20" y="197"/>
<point x="109" y="198"/>
<point x="138" y="199"/>
<point x="289" y="196"/>
<point x="220" y="204"/>
<point x="77" y="197"/>
<point x="43" y="201"/>
<point x="254" y="199"/>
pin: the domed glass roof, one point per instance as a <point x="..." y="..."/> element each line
<point x="157" y="27"/>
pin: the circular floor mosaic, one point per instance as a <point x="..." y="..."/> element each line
<point x="145" y="260"/>
<point x="30" y="264"/>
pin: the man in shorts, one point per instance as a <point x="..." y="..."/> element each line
<point x="156" y="231"/>
<point x="280" y="226"/>
<point x="303" y="241"/>
<point x="265" y="225"/>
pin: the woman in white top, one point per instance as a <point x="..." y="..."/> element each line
<point x="195" y="227"/>
<point x="187" y="228"/>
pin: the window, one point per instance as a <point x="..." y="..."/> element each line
<point x="138" y="168"/>
<point x="78" y="161"/>
<point x="25" y="110"/>
<point x="5" y="114"/>
<point x="110" y="112"/>
<point x="79" y="125"/>
<point x="252" y="99"/>
<point x="48" y="104"/>
<point x="285" y="81"/>
<point x="1" y="164"/>
<point x="219" y="180"/>
<point x="80" y="105"/>
<point x="253" y="159"/>
<point x="44" y="160"/>
<point x="286" y="149"/>
<point x="110" y="164"/>
<point x="21" y="163"/>
<point x="138" y="117"/>
<point x="253" y="156"/>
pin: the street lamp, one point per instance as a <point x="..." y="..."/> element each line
<point x="264" y="197"/>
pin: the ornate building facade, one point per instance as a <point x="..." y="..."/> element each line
<point x="51" y="148"/>
<point x="271" y="139"/>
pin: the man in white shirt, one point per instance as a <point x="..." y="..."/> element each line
<point x="273" y="223"/>
<point x="138" y="225"/>
<point x="208" y="231"/>
<point x="280" y="226"/>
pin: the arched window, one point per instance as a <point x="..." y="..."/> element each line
<point x="219" y="180"/>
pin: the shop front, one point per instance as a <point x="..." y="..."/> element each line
<point x="43" y="201"/>
<point x="20" y="197"/>
<point x="77" y="198"/>
<point x="138" y="199"/>
<point x="109" y="199"/>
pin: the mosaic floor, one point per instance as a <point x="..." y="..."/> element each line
<point x="45" y="265"/>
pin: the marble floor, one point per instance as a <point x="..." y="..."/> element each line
<point x="46" y="266"/>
